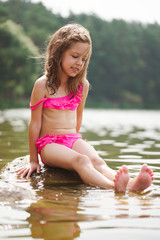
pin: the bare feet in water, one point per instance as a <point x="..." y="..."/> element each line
<point x="121" y="179"/>
<point x="142" y="181"/>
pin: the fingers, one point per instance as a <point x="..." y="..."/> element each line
<point x="38" y="169"/>
<point x="30" y="171"/>
<point x="23" y="171"/>
<point x="20" y="170"/>
<point x="27" y="171"/>
<point x="29" y="174"/>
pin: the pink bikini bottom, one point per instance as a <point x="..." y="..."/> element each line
<point x="66" y="140"/>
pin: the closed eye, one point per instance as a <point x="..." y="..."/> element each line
<point x="75" y="56"/>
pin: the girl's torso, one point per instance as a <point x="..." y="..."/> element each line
<point x="59" y="114"/>
<point x="57" y="122"/>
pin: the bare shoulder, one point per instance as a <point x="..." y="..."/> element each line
<point x="86" y="83"/>
<point x="86" y="86"/>
<point x="40" y="82"/>
<point x="39" y="89"/>
<point x="85" y="90"/>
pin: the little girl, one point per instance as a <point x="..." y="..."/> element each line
<point x="57" y="104"/>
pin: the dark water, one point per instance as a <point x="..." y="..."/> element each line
<point x="77" y="211"/>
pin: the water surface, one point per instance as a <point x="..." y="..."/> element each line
<point x="77" y="211"/>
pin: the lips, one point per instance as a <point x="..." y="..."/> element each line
<point x="75" y="69"/>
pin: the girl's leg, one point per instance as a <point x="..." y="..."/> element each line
<point x="99" y="164"/>
<point x="142" y="181"/>
<point x="121" y="178"/>
<point x="56" y="155"/>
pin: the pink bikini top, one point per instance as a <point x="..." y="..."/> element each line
<point x="69" y="102"/>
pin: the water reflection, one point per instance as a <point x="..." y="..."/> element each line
<point x="55" y="214"/>
<point x="69" y="211"/>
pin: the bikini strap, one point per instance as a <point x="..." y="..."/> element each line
<point x="33" y="107"/>
<point x="79" y="93"/>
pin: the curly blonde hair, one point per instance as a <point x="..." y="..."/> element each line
<point x="61" y="41"/>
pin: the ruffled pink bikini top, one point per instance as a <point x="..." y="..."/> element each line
<point x="69" y="102"/>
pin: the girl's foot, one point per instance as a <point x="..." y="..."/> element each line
<point x="142" y="181"/>
<point x="121" y="179"/>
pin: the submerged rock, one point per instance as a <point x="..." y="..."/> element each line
<point x="12" y="194"/>
<point x="48" y="175"/>
<point x="14" y="189"/>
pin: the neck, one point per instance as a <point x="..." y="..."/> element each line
<point x="63" y="79"/>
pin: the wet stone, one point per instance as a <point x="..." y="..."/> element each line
<point x="14" y="189"/>
<point x="48" y="175"/>
<point x="11" y="194"/>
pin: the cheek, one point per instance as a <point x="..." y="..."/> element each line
<point x="64" y="62"/>
<point x="67" y="61"/>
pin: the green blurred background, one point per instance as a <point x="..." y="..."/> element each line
<point x="124" y="70"/>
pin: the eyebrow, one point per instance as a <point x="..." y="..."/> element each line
<point x="75" y="52"/>
<point x="84" y="53"/>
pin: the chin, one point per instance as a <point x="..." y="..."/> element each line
<point x="73" y="75"/>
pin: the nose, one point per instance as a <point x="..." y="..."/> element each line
<point x="79" y="61"/>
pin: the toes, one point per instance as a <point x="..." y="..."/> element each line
<point x="150" y="172"/>
<point x="144" y="168"/>
<point x="125" y="169"/>
<point x="122" y="170"/>
<point x="116" y="177"/>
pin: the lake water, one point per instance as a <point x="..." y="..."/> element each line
<point x="77" y="211"/>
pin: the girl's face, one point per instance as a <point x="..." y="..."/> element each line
<point x="73" y="59"/>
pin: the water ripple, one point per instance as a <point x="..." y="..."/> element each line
<point x="70" y="211"/>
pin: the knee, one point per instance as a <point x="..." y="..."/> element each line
<point x="81" y="161"/>
<point x="97" y="161"/>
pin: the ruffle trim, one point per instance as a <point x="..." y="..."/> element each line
<point x="41" y="142"/>
<point x="63" y="103"/>
<point x="69" y="102"/>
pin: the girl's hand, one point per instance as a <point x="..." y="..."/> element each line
<point x="28" y="170"/>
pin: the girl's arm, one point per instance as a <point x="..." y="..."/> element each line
<point x="34" y="129"/>
<point x="36" y="119"/>
<point x="82" y="104"/>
